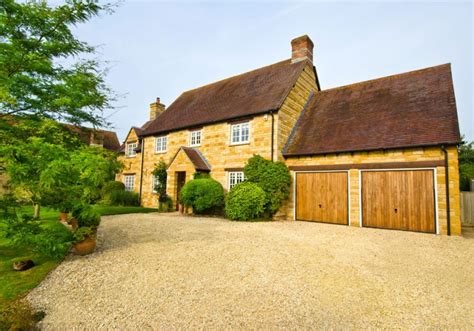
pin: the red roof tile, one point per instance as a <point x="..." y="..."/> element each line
<point x="412" y="109"/>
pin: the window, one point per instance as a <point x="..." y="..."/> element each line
<point x="235" y="177"/>
<point x="129" y="181"/>
<point x="131" y="149"/>
<point x="160" y="144"/>
<point x="195" y="138"/>
<point x="154" y="183"/>
<point x="240" y="133"/>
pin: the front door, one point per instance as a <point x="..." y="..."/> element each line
<point x="180" y="180"/>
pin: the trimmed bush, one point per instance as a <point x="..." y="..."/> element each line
<point x="87" y="216"/>
<point x="273" y="177"/>
<point x="204" y="195"/>
<point x="112" y="187"/>
<point x="246" y="201"/>
<point x="199" y="175"/>
<point x="123" y="198"/>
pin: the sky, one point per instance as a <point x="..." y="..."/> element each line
<point x="161" y="49"/>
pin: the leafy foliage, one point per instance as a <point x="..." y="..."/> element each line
<point x="112" y="186"/>
<point x="82" y="233"/>
<point x="204" y="195"/>
<point x="86" y="216"/>
<point x="466" y="165"/>
<point x="246" y="201"/>
<point x="273" y="177"/>
<point x="23" y="230"/>
<point x="41" y="72"/>
<point x="123" y="198"/>
<point x="198" y="175"/>
<point x="160" y="173"/>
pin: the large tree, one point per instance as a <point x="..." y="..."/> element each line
<point x="45" y="71"/>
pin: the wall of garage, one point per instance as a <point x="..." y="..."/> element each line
<point x="392" y="156"/>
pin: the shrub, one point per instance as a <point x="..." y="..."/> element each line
<point x="273" y="177"/>
<point x="245" y="202"/>
<point x="83" y="233"/>
<point x="160" y="173"/>
<point x="204" y="195"/>
<point x="199" y="175"/>
<point x="88" y="217"/>
<point x="112" y="186"/>
<point x="123" y="198"/>
<point x="166" y="205"/>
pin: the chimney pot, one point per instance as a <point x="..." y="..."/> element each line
<point x="302" y="49"/>
<point x="156" y="109"/>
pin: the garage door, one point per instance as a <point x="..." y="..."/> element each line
<point x="322" y="197"/>
<point x="402" y="200"/>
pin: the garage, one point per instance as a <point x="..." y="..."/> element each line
<point x="322" y="197"/>
<point x="399" y="199"/>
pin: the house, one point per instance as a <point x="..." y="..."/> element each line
<point x="380" y="153"/>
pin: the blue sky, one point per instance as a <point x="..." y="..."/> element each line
<point x="160" y="49"/>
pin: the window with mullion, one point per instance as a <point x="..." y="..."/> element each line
<point x="161" y="144"/>
<point x="240" y="133"/>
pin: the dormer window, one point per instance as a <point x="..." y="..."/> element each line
<point x="161" y="144"/>
<point x="240" y="133"/>
<point x="195" y="138"/>
<point x="131" y="152"/>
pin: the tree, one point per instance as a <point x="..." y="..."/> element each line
<point x="466" y="165"/>
<point x="41" y="73"/>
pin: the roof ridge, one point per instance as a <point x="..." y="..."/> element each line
<point x="389" y="77"/>
<point x="237" y="75"/>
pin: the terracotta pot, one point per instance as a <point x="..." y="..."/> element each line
<point x="85" y="247"/>
<point x="63" y="216"/>
<point x="73" y="223"/>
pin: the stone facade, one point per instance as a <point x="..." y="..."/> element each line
<point x="405" y="155"/>
<point x="215" y="145"/>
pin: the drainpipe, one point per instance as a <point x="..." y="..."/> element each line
<point x="446" y="169"/>
<point x="141" y="170"/>
<point x="273" y="130"/>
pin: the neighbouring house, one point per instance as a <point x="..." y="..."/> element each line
<point x="380" y="153"/>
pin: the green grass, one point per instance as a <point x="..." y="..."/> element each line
<point x="14" y="284"/>
<point x="113" y="210"/>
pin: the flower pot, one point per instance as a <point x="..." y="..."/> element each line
<point x="63" y="216"/>
<point x="85" y="247"/>
<point x="73" y="223"/>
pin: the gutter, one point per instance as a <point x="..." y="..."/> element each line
<point x="446" y="169"/>
<point x="141" y="170"/>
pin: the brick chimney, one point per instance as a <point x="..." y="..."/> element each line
<point x="301" y="49"/>
<point x="156" y="108"/>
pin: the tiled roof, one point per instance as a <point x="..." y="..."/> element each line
<point x="412" y="109"/>
<point x="198" y="160"/>
<point x="108" y="139"/>
<point x="251" y="93"/>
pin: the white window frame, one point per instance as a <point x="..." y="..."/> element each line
<point x="131" y="149"/>
<point x="127" y="180"/>
<point x="161" y="144"/>
<point x="154" y="182"/>
<point x="195" y="138"/>
<point x="234" y="178"/>
<point x="239" y="128"/>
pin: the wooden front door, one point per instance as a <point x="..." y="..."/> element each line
<point x="402" y="200"/>
<point x="180" y="181"/>
<point x="322" y="197"/>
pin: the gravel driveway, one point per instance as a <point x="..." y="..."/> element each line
<point x="166" y="271"/>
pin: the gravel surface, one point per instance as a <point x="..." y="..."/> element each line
<point x="154" y="271"/>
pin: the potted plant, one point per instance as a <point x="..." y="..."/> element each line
<point x="65" y="208"/>
<point x="87" y="220"/>
<point x="85" y="240"/>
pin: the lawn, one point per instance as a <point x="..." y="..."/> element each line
<point x="13" y="284"/>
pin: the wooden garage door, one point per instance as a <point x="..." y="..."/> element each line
<point x="402" y="200"/>
<point x="322" y="197"/>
